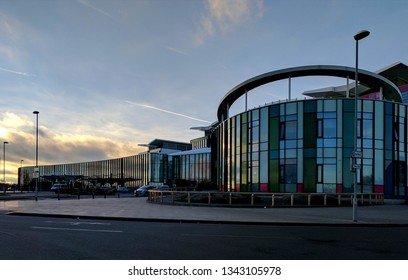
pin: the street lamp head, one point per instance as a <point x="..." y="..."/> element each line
<point x="36" y="112"/>
<point x="5" y="142"/>
<point x="361" y="35"/>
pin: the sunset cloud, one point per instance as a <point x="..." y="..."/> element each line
<point x="226" y="15"/>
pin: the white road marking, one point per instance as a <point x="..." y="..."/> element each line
<point x="239" y="236"/>
<point x="79" y="229"/>
<point x="79" y="223"/>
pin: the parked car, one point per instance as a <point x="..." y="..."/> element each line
<point x="163" y="188"/>
<point x="124" y="190"/>
<point x="106" y="190"/>
<point x="59" y="188"/>
<point x="142" y="191"/>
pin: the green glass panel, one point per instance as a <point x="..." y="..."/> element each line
<point x="244" y="181"/>
<point x="244" y="117"/>
<point x="309" y="131"/>
<point x="348" y="105"/>
<point x="309" y="174"/>
<point x="309" y="153"/>
<point x="244" y="138"/>
<point x="274" y="175"/>
<point x="310" y="106"/>
<point x="348" y="130"/>
<point x="274" y="133"/>
<point x="274" y="111"/>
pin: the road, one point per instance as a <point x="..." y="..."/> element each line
<point x="47" y="238"/>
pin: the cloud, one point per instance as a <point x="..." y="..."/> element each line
<point x="226" y="15"/>
<point x="54" y="148"/>
<point x="166" y="111"/>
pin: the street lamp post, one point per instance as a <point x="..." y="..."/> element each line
<point x="356" y="154"/>
<point x="36" y="172"/>
<point x="21" y="176"/>
<point x="4" y="166"/>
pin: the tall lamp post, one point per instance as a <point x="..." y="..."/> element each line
<point x="4" y="166"/>
<point x="21" y="176"/>
<point x="356" y="154"/>
<point x="36" y="172"/>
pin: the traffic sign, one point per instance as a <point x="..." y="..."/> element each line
<point x="356" y="166"/>
<point x="356" y="154"/>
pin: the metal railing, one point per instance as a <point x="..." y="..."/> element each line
<point x="237" y="199"/>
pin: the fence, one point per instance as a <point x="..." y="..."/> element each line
<point x="262" y="199"/>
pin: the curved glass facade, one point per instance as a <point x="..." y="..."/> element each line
<point x="306" y="146"/>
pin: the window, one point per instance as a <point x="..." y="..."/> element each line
<point x="326" y="125"/>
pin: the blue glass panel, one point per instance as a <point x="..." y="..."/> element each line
<point x="291" y="153"/>
<point x="291" y="117"/>
<point x="291" y="130"/>
<point x="329" y="105"/>
<point x="330" y="142"/>
<point x="291" y="144"/>
<point x="329" y="174"/>
<point x="291" y="108"/>
<point x="329" y="160"/>
<point x="290" y="174"/>
<point x="329" y="128"/>
<point x="367" y="143"/>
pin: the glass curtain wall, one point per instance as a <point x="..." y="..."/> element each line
<point x="305" y="146"/>
<point x="130" y="171"/>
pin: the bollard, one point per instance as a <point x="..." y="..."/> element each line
<point x="339" y="200"/>
<point x="309" y="199"/>
<point x="325" y="200"/>
<point x="209" y="198"/>
<point x="230" y="198"/>
<point x="188" y="197"/>
<point x="273" y="200"/>
<point x="252" y="199"/>
<point x="291" y="200"/>
<point x="58" y="195"/>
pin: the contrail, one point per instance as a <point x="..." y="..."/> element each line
<point x="89" y="5"/>
<point x="166" y="111"/>
<point x="16" y="72"/>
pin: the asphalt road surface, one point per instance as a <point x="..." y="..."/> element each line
<point x="44" y="238"/>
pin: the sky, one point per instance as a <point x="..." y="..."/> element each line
<point x="108" y="75"/>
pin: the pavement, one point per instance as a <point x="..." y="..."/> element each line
<point x="392" y="213"/>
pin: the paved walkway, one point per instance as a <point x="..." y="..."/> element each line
<point x="392" y="213"/>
